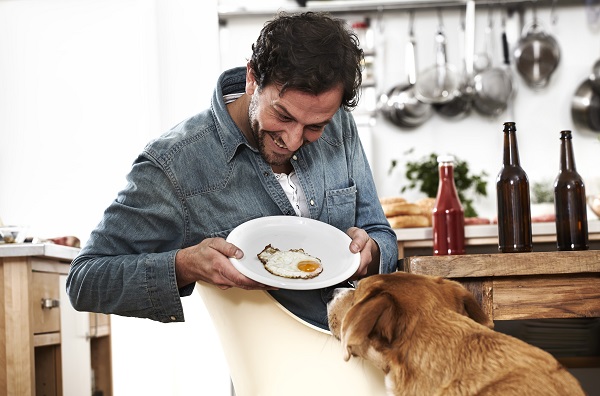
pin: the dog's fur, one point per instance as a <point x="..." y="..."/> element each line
<point x="430" y="337"/>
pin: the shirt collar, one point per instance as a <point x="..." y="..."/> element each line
<point x="230" y="82"/>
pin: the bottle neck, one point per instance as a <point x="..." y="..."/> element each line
<point x="511" y="151"/>
<point x="446" y="172"/>
<point x="567" y="160"/>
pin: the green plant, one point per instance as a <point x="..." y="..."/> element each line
<point x="423" y="175"/>
<point x="542" y="192"/>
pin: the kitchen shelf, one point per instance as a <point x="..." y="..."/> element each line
<point x="484" y="238"/>
<point x="369" y="6"/>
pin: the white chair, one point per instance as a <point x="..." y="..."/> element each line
<point x="271" y="352"/>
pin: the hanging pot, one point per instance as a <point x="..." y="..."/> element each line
<point x="537" y="54"/>
<point x="585" y="105"/>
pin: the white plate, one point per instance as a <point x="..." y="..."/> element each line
<point x="318" y="239"/>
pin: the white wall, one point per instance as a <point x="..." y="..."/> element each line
<point x="85" y="84"/>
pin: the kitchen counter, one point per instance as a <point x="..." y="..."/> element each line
<point x="483" y="238"/>
<point x="49" y="250"/>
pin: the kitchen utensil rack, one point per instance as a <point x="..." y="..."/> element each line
<point x="342" y="7"/>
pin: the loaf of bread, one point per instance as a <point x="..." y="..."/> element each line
<point x="403" y="214"/>
<point x="409" y="221"/>
<point x="390" y="200"/>
<point x="401" y="208"/>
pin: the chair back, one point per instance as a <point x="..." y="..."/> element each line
<point x="271" y="352"/>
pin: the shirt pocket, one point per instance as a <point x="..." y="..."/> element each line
<point x="341" y="207"/>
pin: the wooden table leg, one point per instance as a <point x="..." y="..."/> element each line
<point x="482" y="289"/>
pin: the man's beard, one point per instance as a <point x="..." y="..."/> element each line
<point x="260" y="136"/>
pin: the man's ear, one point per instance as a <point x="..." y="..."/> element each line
<point x="251" y="84"/>
<point x="371" y="320"/>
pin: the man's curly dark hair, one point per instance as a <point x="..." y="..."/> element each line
<point x="310" y="52"/>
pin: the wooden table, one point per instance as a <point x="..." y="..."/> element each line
<point x="523" y="285"/>
<point x="518" y="286"/>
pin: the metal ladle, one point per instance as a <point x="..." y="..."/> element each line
<point x="460" y="106"/>
<point x="493" y="86"/>
<point x="400" y="104"/>
<point x="441" y="82"/>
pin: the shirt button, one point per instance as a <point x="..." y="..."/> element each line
<point x="294" y="157"/>
<point x="312" y="202"/>
<point x="173" y="318"/>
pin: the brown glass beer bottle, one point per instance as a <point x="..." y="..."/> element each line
<point x="569" y="201"/>
<point x="448" y="217"/>
<point x="514" y="208"/>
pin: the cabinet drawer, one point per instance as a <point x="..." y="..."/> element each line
<point x="45" y="302"/>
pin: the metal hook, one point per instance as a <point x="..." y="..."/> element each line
<point x="553" y="14"/>
<point x="411" y="23"/>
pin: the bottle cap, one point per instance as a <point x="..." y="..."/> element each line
<point x="445" y="158"/>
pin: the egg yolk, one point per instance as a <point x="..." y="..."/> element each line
<point x="307" y="266"/>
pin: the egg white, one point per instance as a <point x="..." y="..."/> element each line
<point x="285" y="263"/>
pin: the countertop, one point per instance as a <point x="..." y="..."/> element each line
<point x="486" y="231"/>
<point x="51" y="250"/>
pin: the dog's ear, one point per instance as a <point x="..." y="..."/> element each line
<point x="373" y="320"/>
<point x="467" y="304"/>
<point x="474" y="311"/>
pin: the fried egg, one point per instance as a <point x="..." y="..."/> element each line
<point x="293" y="263"/>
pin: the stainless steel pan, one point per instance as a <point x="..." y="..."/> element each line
<point x="585" y="105"/>
<point x="537" y="55"/>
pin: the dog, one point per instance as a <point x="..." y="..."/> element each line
<point x="430" y="337"/>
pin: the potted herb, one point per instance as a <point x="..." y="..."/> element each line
<point x="542" y="198"/>
<point x="423" y="175"/>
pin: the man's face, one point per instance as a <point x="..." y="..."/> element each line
<point x="281" y="124"/>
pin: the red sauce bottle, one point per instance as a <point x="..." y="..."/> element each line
<point x="448" y="217"/>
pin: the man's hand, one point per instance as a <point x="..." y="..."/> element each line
<point x="208" y="261"/>
<point x="369" y="252"/>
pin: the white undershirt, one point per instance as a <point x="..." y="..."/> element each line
<point x="294" y="192"/>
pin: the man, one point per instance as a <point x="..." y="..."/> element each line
<point x="277" y="140"/>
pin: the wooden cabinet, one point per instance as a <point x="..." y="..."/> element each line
<point x="46" y="347"/>
<point x="101" y="354"/>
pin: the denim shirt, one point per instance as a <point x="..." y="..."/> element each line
<point x="201" y="180"/>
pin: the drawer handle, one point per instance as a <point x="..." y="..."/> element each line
<point x="49" y="303"/>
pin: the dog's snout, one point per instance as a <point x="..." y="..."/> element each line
<point x="339" y="291"/>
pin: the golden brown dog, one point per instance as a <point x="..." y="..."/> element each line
<point x="430" y="337"/>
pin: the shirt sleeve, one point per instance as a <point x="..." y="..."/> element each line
<point x="127" y="266"/>
<point x="370" y="216"/>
